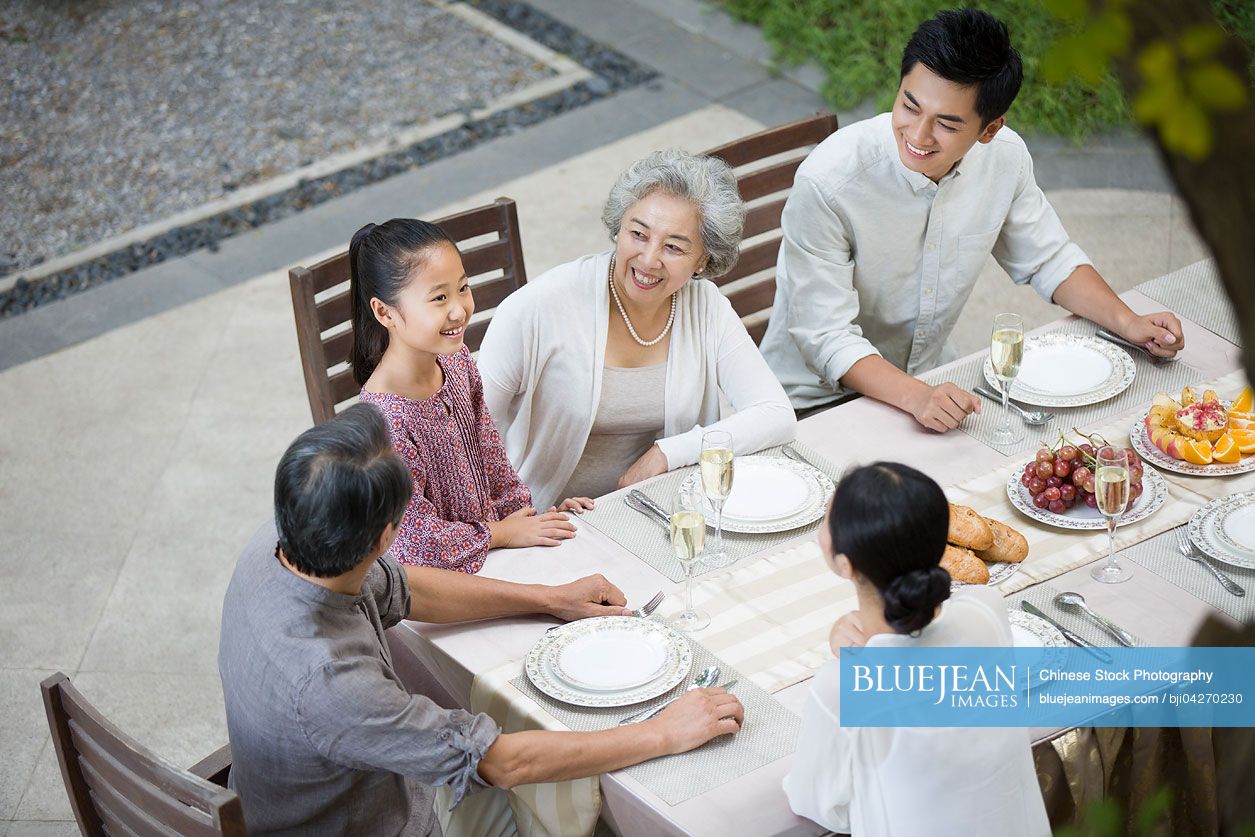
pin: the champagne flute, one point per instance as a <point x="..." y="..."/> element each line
<point x="1111" y="490"/>
<point x="1006" y="351"/>
<point x="688" y="535"/>
<point x="717" y="470"/>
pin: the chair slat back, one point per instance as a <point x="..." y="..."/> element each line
<point x="323" y="328"/>
<point x="118" y="786"/>
<point x="765" y="165"/>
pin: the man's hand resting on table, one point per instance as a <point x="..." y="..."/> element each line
<point x="943" y="407"/>
<point x="1158" y="333"/>
<point x="698" y="716"/>
<point x="591" y="595"/>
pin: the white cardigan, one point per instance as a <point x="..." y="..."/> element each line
<point x="541" y="362"/>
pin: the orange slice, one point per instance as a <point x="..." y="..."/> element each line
<point x="1244" y="402"/>
<point x="1226" y="450"/>
<point x="1244" y="439"/>
<point x="1197" y="451"/>
<point x="1242" y="421"/>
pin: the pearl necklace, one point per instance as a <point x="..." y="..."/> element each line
<point x="614" y="292"/>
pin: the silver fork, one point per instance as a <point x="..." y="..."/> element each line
<point x="1186" y="548"/>
<point x="644" y="611"/>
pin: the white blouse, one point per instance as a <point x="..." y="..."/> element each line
<point x="909" y="781"/>
<point x="542" y="362"/>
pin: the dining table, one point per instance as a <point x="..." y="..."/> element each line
<point x="448" y="659"/>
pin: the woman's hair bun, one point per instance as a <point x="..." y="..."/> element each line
<point x="911" y="599"/>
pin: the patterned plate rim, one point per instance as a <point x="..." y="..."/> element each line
<point x="1140" y="440"/>
<point x="534" y="668"/>
<point x="1199" y="535"/>
<point x="812" y="512"/>
<point x="1050" y="636"/>
<point x="999" y="571"/>
<point x="1154" y="495"/>
<point x="1123" y="371"/>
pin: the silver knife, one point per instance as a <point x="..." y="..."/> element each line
<point x="1068" y="635"/>
<point x="653" y="713"/>
<point x="1120" y="341"/>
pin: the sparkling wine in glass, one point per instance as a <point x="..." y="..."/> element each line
<point x="717" y="467"/>
<point x="1006" y="352"/>
<point x="688" y="535"/>
<point x="1111" y="490"/>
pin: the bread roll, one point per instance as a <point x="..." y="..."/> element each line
<point x="1009" y="544"/>
<point x="969" y="529"/>
<point x="963" y="565"/>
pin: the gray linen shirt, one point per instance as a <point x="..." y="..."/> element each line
<point x="878" y="260"/>
<point x="324" y="737"/>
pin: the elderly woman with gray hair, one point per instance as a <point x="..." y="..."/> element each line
<point x="607" y="370"/>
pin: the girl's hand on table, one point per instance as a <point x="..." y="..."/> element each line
<point x="847" y="631"/>
<point x="527" y="528"/>
<point x="575" y="504"/>
<point x="651" y="464"/>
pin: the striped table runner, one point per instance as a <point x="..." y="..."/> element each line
<point x="1196" y="293"/>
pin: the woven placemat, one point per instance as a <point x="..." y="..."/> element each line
<point x="645" y="537"/>
<point x="1160" y="556"/>
<point x="1042" y="595"/>
<point x="770" y="732"/>
<point x="1149" y="379"/>
<point x="1196" y="293"/>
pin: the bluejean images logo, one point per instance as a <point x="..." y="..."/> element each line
<point x="1046" y="687"/>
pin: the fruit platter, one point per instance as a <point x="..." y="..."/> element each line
<point x="1200" y="435"/>
<point x="1056" y="487"/>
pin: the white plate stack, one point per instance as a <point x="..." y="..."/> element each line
<point x="1224" y="530"/>
<point x="1068" y="370"/>
<point x="770" y="495"/>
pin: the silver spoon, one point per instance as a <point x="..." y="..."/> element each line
<point x="708" y="676"/>
<point x="1075" y="601"/>
<point x="1031" y="417"/>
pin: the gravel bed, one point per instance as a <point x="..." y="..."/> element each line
<point x="119" y="113"/>
<point x="614" y="72"/>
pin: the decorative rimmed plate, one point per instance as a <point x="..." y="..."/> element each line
<point x="1206" y="530"/>
<point x="1029" y="631"/>
<point x="542" y="662"/>
<point x="999" y="572"/>
<point x="820" y="489"/>
<point x="1140" y="442"/>
<point x="1068" y="370"/>
<point x="1081" y="516"/>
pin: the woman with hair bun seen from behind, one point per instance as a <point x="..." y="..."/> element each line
<point x="886" y="532"/>
<point x="607" y="370"/>
<point x="411" y="302"/>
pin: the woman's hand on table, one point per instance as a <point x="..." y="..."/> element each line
<point x="652" y="463"/>
<point x="846" y="632"/>
<point x="942" y="407"/>
<point x="1159" y="333"/>
<point x="575" y="504"/>
<point x="698" y="716"/>
<point x="527" y="528"/>
<point x="591" y="595"/>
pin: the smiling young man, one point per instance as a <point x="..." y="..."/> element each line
<point x="891" y="219"/>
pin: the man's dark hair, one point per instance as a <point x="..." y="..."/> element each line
<point x="337" y="488"/>
<point x="969" y="47"/>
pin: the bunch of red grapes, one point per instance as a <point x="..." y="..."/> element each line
<point x="1058" y="479"/>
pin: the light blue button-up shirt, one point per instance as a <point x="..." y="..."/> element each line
<point x="879" y="260"/>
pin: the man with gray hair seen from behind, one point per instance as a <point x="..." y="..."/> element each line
<point x="891" y="220"/>
<point x="324" y="737"/>
<point x="607" y="370"/>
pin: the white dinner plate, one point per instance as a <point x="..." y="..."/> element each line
<point x="1068" y="370"/>
<point x="619" y="657"/>
<point x="746" y="469"/>
<point x="1030" y="631"/>
<point x="1139" y="440"/>
<point x="764" y="489"/>
<point x="542" y="662"/>
<point x="1207" y="529"/>
<point x="1081" y="516"/>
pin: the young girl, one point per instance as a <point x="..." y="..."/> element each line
<point x="886" y="531"/>
<point x="411" y="303"/>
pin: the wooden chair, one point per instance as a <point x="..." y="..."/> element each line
<point x="117" y="786"/>
<point x="324" y="332"/>
<point x="751" y="285"/>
